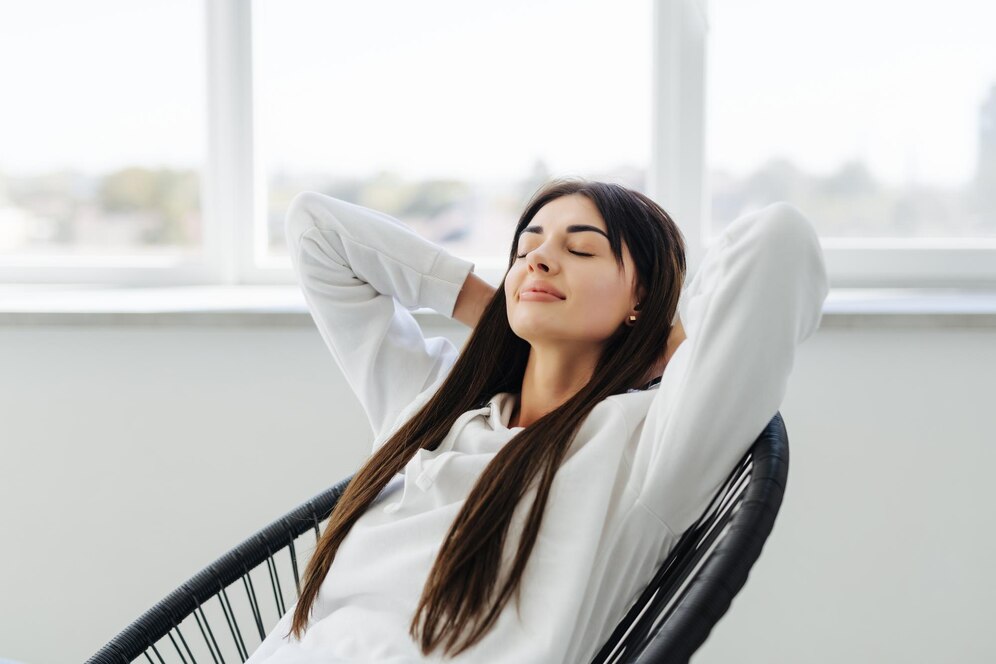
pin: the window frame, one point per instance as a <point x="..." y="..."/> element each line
<point x="234" y="185"/>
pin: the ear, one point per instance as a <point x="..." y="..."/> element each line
<point x="641" y="293"/>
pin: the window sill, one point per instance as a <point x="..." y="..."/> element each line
<point x="284" y="306"/>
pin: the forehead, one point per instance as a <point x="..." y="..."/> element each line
<point x="574" y="215"/>
<point x="572" y="209"/>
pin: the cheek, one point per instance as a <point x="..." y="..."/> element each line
<point x="603" y="296"/>
<point x="513" y="280"/>
<point x="510" y="288"/>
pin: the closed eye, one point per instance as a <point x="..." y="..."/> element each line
<point x="571" y="250"/>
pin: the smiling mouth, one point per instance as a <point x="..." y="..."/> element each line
<point x="539" y="296"/>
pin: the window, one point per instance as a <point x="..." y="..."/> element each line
<point x="161" y="142"/>
<point x="103" y="135"/>
<point x="878" y="119"/>
<point x="448" y="114"/>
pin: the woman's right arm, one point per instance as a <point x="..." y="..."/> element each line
<point x="363" y="273"/>
<point x="474" y="297"/>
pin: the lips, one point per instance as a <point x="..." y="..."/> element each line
<point x="543" y="288"/>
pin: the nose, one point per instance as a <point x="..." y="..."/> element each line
<point x="535" y="260"/>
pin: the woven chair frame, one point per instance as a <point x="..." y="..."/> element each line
<point x="690" y="592"/>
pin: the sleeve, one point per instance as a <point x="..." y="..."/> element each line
<point x="362" y="273"/>
<point x="758" y="294"/>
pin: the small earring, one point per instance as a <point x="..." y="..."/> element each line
<point x="632" y="319"/>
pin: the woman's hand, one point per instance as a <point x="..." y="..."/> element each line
<point x="674" y="339"/>
<point x="474" y="297"/>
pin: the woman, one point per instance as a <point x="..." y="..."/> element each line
<point x="562" y="451"/>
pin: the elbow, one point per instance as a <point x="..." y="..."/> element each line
<point x="785" y="235"/>
<point x="790" y="257"/>
<point x="785" y="227"/>
<point x="299" y="216"/>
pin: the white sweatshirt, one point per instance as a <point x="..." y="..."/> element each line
<point x="643" y="467"/>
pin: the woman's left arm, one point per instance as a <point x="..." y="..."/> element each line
<point x="757" y="295"/>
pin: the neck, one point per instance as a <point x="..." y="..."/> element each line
<point x="552" y="376"/>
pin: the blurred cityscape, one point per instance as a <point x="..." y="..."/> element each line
<point x="158" y="211"/>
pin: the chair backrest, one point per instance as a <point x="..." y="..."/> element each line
<point x="709" y="565"/>
<point x="691" y="591"/>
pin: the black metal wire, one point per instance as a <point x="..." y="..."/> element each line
<point x="318" y="533"/>
<point x="205" y="635"/>
<point x="185" y="645"/>
<point x="176" y="647"/>
<point x="233" y="626"/>
<point x="293" y="557"/>
<point x="276" y="598"/>
<point x="253" y="604"/>
<point x="161" y="660"/>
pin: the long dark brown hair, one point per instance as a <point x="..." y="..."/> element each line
<point x="459" y="597"/>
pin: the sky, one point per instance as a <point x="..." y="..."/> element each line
<point x="896" y="84"/>
<point x="451" y="88"/>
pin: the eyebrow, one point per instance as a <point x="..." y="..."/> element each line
<point x="574" y="228"/>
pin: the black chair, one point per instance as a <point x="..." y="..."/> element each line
<point x="691" y="591"/>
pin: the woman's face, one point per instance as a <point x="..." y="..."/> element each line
<point x="597" y="297"/>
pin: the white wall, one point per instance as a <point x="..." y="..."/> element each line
<point x="134" y="456"/>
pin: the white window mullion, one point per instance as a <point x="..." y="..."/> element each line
<point x="677" y="157"/>
<point x="229" y="191"/>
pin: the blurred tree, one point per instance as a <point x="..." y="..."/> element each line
<point x="430" y="198"/>
<point x="852" y="179"/>
<point x="171" y="195"/>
